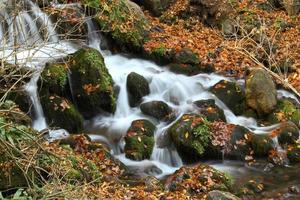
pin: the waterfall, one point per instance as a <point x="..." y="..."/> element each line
<point x="178" y="91"/>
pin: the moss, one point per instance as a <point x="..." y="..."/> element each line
<point x="91" y="83"/>
<point x="61" y="113"/>
<point x="261" y="145"/>
<point x="73" y="175"/>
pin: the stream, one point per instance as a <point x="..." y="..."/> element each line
<point x="178" y="91"/>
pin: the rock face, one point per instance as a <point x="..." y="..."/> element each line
<point x="156" y="7"/>
<point x="137" y="87"/>
<point x="210" y="110"/>
<point x="231" y="94"/>
<point x="139" y="140"/>
<point x="91" y="83"/>
<point x="221" y="195"/>
<point x="157" y="109"/>
<point x="61" y="113"/>
<point x="261" y="94"/>
<point x="191" y="136"/>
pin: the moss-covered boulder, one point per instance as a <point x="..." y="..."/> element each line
<point x="261" y="94"/>
<point x="54" y="79"/>
<point x="124" y="22"/>
<point x="198" y="180"/>
<point x="210" y="110"/>
<point x="191" y="69"/>
<point x="186" y="56"/>
<point x="139" y="140"/>
<point x="221" y="195"/>
<point x="137" y="87"/>
<point x="60" y="112"/>
<point x="157" y="109"/>
<point x="191" y="136"/>
<point x="231" y="94"/>
<point x="288" y="133"/>
<point x="286" y="110"/>
<point x="91" y="83"/>
<point x="261" y="145"/>
<point x="240" y="144"/>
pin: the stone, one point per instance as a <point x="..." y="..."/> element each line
<point x="261" y="94"/>
<point x="210" y="110"/>
<point x="157" y="109"/>
<point x="221" y="195"/>
<point x="137" y="87"/>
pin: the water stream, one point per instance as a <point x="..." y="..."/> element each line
<point x="178" y="91"/>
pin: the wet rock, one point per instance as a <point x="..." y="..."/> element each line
<point x="293" y="154"/>
<point x="286" y="109"/>
<point x="60" y="112"/>
<point x="91" y="83"/>
<point x="288" y="133"/>
<point x="261" y="145"/>
<point x="191" y="136"/>
<point x="231" y="94"/>
<point x="190" y="70"/>
<point x="139" y="140"/>
<point x="157" y="109"/>
<point x="156" y="7"/>
<point x="186" y="56"/>
<point x="54" y="79"/>
<point x="240" y="143"/>
<point x="210" y="110"/>
<point x="221" y="195"/>
<point x="261" y="94"/>
<point x="137" y="87"/>
<point x="198" y="180"/>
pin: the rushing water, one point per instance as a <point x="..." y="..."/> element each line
<point x="178" y="91"/>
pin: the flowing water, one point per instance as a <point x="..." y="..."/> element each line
<point x="178" y="91"/>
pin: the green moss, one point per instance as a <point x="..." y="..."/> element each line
<point x="55" y="74"/>
<point x="73" y="175"/>
<point x="91" y="83"/>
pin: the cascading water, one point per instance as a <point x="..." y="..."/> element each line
<point x="178" y="91"/>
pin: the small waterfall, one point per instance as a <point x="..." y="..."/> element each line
<point x="94" y="40"/>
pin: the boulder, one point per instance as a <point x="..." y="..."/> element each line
<point x="191" y="136"/>
<point x="137" y="87"/>
<point x="221" y="195"/>
<point x="261" y="94"/>
<point x="156" y="7"/>
<point x="91" y="83"/>
<point x="186" y="56"/>
<point x="293" y="154"/>
<point x="240" y="143"/>
<point x="288" y="134"/>
<point x="210" y="110"/>
<point x="60" y="112"/>
<point x="198" y="180"/>
<point x="261" y="145"/>
<point x="286" y="110"/>
<point x="139" y="140"/>
<point x="231" y="94"/>
<point x="190" y="70"/>
<point x="157" y="109"/>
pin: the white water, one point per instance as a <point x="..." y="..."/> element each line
<point x="178" y="91"/>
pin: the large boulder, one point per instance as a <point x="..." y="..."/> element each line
<point x="156" y="7"/>
<point x="288" y="134"/>
<point x="157" y="109"/>
<point x="191" y="136"/>
<point x="91" y="83"/>
<point x="137" y="87"/>
<point x="262" y="145"/>
<point x="293" y="154"/>
<point x="261" y="94"/>
<point x="231" y="94"/>
<point x="210" y="110"/>
<point x="60" y="112"/>
<point x="139" y="140"/>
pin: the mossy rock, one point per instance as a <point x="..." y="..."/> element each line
<point x="210" y="110"/>
<point x="22" y="100"/>
<point x="91" y="83"/>
<point x="240" y="143"/>
<point x="221" y="195"/>
<point x="61" y="113"/>
<point x="191" y="69"/>
<point x="293" y="154"/>
<point x="186" y="56"/>
<point x="139" y="140"/>
<point x="286" y="110"/>
<point x="156" y="7"/>
<point x="288" y="134"/>
<point x="261" y="145"/>
<point x="137" y="87"/>
<point x="261" y="94"/>
<point x="231" y="94"/>
<point x="54" y="79"/>
<point x="157" y="109"/>
<point x="191" y="136"/>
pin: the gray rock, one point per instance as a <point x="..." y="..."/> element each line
<point x="220" y="195"/>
